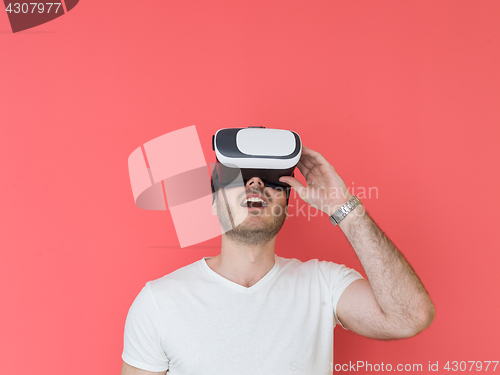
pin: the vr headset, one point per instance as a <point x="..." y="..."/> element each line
<point x="254" y="152"/>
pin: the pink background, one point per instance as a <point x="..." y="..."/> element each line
<point x="399" y="95"/>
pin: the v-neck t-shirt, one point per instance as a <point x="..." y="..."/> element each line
<point x="194" y="321"/>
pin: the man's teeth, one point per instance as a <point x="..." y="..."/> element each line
<point x="254" y="199"/>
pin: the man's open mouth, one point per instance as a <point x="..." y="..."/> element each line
<point x="254" y="202"/>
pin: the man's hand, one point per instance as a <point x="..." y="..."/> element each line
<point x="325" y="190"/>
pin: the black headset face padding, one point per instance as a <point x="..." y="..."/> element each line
<point x="266" y="184"/>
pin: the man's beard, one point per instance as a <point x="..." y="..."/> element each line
<point x="247" y="234"/>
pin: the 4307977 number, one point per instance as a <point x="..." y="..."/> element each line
<point x="474" y="365"/>
<point x="33" y="7"/>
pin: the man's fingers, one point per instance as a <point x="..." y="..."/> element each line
<point x="294" y="183"/>
<point x="315" y="156"/>
<point x="312" y="159"/>
<point x="308" y="161"/>
<point x="315" y="171"/>
<point x="303" y="169"/>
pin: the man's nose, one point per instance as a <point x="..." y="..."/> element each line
<point x="255" y="182"/>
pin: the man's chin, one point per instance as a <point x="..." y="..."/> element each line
<point x="252" y="225"/>
<point x="251" y="235"/>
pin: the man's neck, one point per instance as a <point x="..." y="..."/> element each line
<point x="242" y="264"/>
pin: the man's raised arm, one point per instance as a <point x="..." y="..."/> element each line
<point x="392" y="303"/>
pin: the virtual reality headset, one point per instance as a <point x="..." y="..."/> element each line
<point x="254" y="152"/>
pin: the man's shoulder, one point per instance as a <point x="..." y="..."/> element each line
<point x="298" y="262"/>
<point x="182" y="275"/>
<point x="314" y="269"/>
<point x="297" y="265"/>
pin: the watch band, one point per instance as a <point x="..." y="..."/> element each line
<point x="342" y="212"/>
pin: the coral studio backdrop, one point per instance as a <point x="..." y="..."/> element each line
<point x="401" y="96"/>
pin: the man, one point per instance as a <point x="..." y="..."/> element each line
<point x="248" y="311"/>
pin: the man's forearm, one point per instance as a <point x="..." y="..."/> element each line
<point x="397" y="289"/>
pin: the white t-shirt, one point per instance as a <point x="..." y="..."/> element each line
<point x="194" y="321"/>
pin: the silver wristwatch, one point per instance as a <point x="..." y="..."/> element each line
<point x="342" y="212"/>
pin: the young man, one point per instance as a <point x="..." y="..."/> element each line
<point x="248" y="311"/>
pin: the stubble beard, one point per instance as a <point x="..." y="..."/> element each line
<point x="248" y="234"/>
